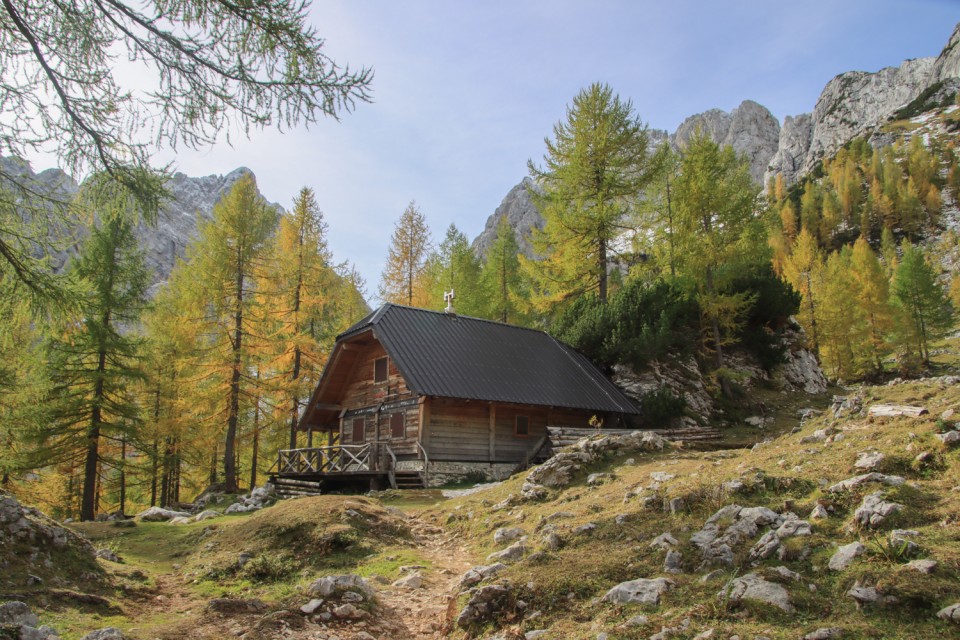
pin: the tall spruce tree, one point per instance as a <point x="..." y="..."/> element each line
<point x="403" y="278"/>
<point x="593" y="171"/>
<point x="925" y="311"/>
<point x="94" y="359"/>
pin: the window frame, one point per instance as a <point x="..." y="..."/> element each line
<point x="516" y="426"/>
<point x="386" y="369"/>
<point x="363" y="430"/>
<point x="403" y="425"/>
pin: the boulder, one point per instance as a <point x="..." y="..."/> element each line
<point x="643" y="591"/>
<point x="485" y="602"/>
<point x="206" y="515"/>
<point x="16" y="613"/>
<point x="825" y="633"/>
<point x="856" y="481"/>
<point x="664" y="541"/>
<point x="332" y="586"/>
<point x="480" y="573"/>
<point x="673" y="562"/>
<point x="869" y="460"/>
<point x="951" y="613"/>
<point x="923" y="566"/>
<point x="513" y="553"/>
<point x="107" y="633"/>
<point x="844" y="555"/>
<point x="753" y="587"/>
<point x="595" y="479"/>
<point x="159" y="514"/>
<point x="819" y="512"/>
<point x="869" y="595"/>
<point x="504" y="535"/>
<point x="311" y="606"/>
<point x="109" y="555"/>
<point x="874" y="510"/>
<point x="950" y="438"/>
<point x="348" y="612"/>
<point x="412" y="581"/>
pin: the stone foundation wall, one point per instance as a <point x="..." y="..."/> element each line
<point x="442" y="472"/>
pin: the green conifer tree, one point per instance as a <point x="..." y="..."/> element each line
<point x="924" y="310"/>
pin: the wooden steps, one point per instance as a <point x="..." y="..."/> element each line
<point x="408" y="479"/>
<point x="566" y="436"/>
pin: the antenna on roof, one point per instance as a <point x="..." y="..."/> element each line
<point x="448" y="298"/>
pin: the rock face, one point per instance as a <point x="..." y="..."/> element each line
<point x="191" y="201"/>
<point x="750" y="129"/>
<point x="521" y="213"/>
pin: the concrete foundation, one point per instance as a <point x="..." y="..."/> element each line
<point x="443" y="472"/>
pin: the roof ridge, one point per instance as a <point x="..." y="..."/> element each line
<point x="456" y="315"/>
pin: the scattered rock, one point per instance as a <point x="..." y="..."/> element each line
<point x="331" y="586"/>
<point x="949" y="438"/>
<point x="869" y="595"/>
<point x="595" y="479"/>
<point x="637" y="621"/>
<point x="951" y="613"/>
<point x="819" y="512"/>
<point x="231" y="606"/>
<point x="348" y="612"/>
<point x="585" y="529"/>
<point x="480" y="573"/>
<point x="753" y="587"/>
<point x="844" y="555"/>
<point x="856" y="481"/>
<point x="902" y="540"/>
<point x="673" y="562"/>
<point x="514" y="552"/>
<point x="484" y="604"/>
<point x="664" y="541"/>
<point x="15" y="613"/>
<point x="109" y="555"/>
<point x="826" y="633"/>
<point x="504" y="535"/>
<point x="412" y="581"/>
<point x="869" y="460"/>
<point x="311" y="606"/>
<point x="643" y="591"/>
<point x="159" y="514"/>
<point x="874" y="510"/>
<point x="107" y="633"/>
<point x="923" y="566"/>
<point x="846" y="405"/>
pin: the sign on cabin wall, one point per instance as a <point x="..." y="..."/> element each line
<point x="388" y="406"/>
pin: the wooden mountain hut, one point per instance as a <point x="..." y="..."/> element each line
<point x="416" y="397"/>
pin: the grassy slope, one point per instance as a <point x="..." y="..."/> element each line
<point x="782" y="475"/>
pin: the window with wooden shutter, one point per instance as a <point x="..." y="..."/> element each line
<point x="397" y="424"/>
<point x="522" y="426"/>
<point x="380" y="370"/>
<point x="358" y="425"/>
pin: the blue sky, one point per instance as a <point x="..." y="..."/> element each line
<point x="465" y="92"/>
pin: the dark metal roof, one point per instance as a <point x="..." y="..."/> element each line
<point x="446" y="355"/>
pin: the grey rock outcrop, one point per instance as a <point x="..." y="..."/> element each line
<point x="750" y="129"/>
<point x="754" y="587"/>
<point x="844" y="555"/>
<point x="947" y="64"/>
<point x="792" y="148"/>
<point x="521" y="214"/>
<point x="643" y="591"/>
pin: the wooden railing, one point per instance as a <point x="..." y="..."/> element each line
<point x="336" y="459"/>
<point x="425" y="474"/>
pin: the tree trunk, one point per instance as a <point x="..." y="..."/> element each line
<point x="233" y="417"/>
<point x="717" y="339"/>
<point x="256" y="444"/>
<point x="88" y="504"/>
<point x="123" y="475"/>
<point x="602" y="251"/>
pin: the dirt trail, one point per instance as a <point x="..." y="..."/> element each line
<point x="426" y="612"/>
<point x="402" y="613"/>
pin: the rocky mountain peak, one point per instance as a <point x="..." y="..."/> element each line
<point x="521" y="213"/>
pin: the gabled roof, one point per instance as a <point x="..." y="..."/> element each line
<point x="447" y="355"/>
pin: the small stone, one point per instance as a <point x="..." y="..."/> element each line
<point x="664" y="541"/>
<point x="637" y="621"/>
<point x="819" y="512"/>
<point x="753" y="587"/>
<point x="869" y="460"/>
<point x="826" y="633"/>
<point x="585" y="529"/>
<point x="951" y="613"/>
<point x="675" y="506"/>
<point x="923" y="566"/>
<point x="412" y="581"/>
<point x="949" y="438"/>
<point x="107" y="633"/>
<point x="504" y="535"/>
<point x="673" y="562"/>
<point x="108" y="554"/>
<point x="641" y="591"/>
<point x="311" y="606"/>
<point x="348" y="612"/>
<point x="845" y="555"/>
<point x="595" y="479"/>
<point x="869" y="595"/>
